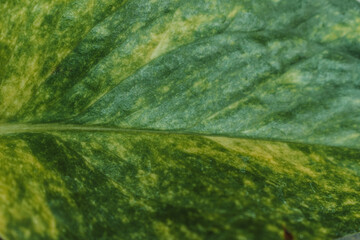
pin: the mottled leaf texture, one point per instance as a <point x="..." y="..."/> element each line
<point x="169" y="119"/>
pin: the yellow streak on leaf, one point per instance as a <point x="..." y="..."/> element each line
<point x="277" y="155"/>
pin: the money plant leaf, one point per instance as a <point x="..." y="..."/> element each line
<point x="169" y="119"/>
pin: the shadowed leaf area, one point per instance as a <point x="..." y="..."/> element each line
<point x="165" y="119"/>
<point x="113" y="185"/>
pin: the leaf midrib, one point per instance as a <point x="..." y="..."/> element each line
<point x="15" y="128"/>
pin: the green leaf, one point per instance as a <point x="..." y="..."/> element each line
<point x="179" y="119"/>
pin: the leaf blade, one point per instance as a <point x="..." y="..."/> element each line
<point x="96" y="176"/>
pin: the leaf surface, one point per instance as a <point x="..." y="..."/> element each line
<point x="179" y="119"/>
